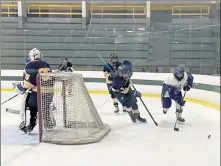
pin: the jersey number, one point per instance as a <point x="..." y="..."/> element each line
<point x="44" y="70"/>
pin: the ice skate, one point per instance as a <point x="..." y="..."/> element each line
<point x="179" y="117"/>
<point x="132" y="117"/>
<point x="137" y="116"/>
<point x="116" y="111"/>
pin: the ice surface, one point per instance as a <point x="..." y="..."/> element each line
<point x="127" y="144"/>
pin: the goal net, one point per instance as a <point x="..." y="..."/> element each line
<point x="67" y="115"/>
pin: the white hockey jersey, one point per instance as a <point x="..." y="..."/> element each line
<point x="172" y="81"/>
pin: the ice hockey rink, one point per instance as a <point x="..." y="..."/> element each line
<point x="127" y="144"/>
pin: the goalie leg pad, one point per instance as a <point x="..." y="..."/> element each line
<point x="23" y="108"/>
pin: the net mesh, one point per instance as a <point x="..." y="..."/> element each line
<point x="67" y="113"/>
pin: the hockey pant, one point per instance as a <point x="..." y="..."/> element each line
<point x="166" y="101"/>
<point x="128" y="100"/>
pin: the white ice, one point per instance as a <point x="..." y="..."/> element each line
<point x="127" y="144"/>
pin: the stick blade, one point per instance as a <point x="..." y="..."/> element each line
<point x="13" y="111"/>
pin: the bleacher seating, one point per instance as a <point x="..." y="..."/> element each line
<point x="58" y="31"/>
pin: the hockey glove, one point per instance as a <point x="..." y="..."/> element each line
<point x="137" y="94"/>
<point x="186" y="88"/>
<point x="181" y="102"/>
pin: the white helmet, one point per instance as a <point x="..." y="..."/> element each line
<point x="35" y="54"/>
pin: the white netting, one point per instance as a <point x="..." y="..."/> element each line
<point x="67" y="113"/>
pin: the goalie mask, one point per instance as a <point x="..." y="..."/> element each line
<point x="35" y="54"/>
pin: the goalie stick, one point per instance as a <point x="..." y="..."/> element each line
<point x="135" y="90"/>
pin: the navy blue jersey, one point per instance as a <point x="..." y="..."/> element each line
<point x="63" y="67"/>
<point x="119" y="83"/>
<point x="31" y="71"/>
<point x="109" y="68"/>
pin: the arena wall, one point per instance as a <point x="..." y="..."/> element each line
<point x="206" y="89"/>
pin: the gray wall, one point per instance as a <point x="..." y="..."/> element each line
<point x="152" y="45"/>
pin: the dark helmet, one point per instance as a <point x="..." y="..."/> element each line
<point x="128" y="64"/>
<point x="113" y="58"/>
<point x="65" y="60"/>
<point x="179" y="73"/>
<point x="124" y="72"/>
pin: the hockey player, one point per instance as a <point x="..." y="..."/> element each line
<point x="171" y="90"/>
<point x="125" y="95"/>
<point x="35" y="66"/>
<point x="109" y="70"/>
<point x="65" y="66"/>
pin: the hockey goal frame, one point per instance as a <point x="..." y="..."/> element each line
<point x="102" y="128"/>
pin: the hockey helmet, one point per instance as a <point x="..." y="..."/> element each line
<point x="35" y="54"/>
<point x="124" y="72"/>
<point x="129" y="65"/>
<point x="65" y="60"/>
<point x="179" y="73"/>
<point x="113" y="58"/>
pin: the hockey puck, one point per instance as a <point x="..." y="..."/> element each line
<point x="176" y="129"/>
<point x="209" y="136"/>
<point x="6" y="109"/>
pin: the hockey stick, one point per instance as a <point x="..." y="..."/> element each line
<point x="63" y="64"/>
<point x="145" y="106"/>
<point x="14" y="111"/>
<point x="176" y="128"/>
<point x="9" y="99"/>
<point x="135" y="90"/>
